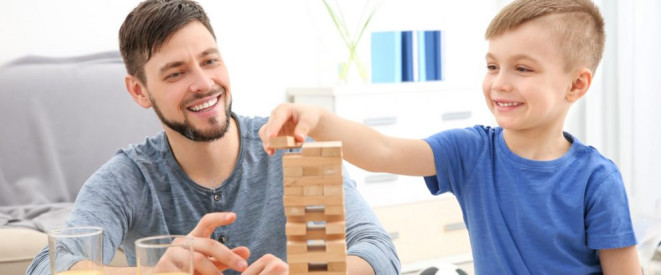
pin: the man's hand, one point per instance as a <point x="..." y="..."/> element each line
<point x="267" y="265"/>
<point x="210" y="255"/>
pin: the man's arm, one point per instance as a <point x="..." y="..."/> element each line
<point x="362" y="145"/>
<point x="620" y="260"/>
<point x="369" y="247"/>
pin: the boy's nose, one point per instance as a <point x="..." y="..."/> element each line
<point x="501" y="83"/>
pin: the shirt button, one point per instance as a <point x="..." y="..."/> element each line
<point x="222" y="239"/>
<point x="216" y="197"/>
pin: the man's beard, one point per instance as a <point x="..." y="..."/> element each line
<point x="187" y="130"/>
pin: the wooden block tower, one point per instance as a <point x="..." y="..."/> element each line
<point x="314" y="207"/>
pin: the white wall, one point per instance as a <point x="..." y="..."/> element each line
<point x="268" y="45"/>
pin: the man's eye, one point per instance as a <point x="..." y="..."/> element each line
<point x="211" y="61"/>
<point x="174" y="75"/>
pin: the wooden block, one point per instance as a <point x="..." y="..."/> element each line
<point x="313" y="190"/>
<point x="292" y="171"/>
<point x="311" y="217"/>
<point x="337" y="266"/>
<point x="295" y="229"/>
<point x="333" y="190"/>
<point x="337" y="246"/>
<point x="296" y="247"/>
<point x="332" y="170"/>
<point x="313" y="171"/>
<point x="298" y="268"/>
<point x="283" y="142"/>
<point x="294" y="190"/>
<point x="315" y="257"/>
<point x="311" y="149"/>
<point x="294" y="211"/>
<point x="296" y="160"/>
<point x="331" y="151"/>
<point x="316" y="235"/>
<point x="334" y="210"/>
<point x="322" y="180"/>
<point x="313" y="200"/>
<point x="335" y="227"/>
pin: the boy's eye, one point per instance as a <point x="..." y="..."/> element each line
<point x="491" y="67"/>
<point x="523" y="69"/>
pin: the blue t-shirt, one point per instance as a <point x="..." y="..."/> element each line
<point x="532" y="217"/>
<point x="142" y="191"/>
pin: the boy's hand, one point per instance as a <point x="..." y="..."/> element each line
<point x="210" y="255"/>
<point x="289" y="119"/>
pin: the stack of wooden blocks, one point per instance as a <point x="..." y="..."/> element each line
<point x="314" y="207"/>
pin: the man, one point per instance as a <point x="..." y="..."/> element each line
<point x="206" y="175"/>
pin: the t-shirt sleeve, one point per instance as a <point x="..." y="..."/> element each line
<point x="456" y="153"/>
<point x="608" y="219"/>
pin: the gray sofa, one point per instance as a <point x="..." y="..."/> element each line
<point x="61" y="119"/>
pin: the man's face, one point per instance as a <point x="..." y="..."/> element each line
<point x="188" y="85"/>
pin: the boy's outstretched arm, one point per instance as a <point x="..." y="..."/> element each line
<point x="620" y="260"/>
<point x="362" y="145"/>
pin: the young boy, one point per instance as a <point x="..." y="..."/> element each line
<point x="534" y="198"/>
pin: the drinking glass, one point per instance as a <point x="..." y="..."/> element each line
<point x="68" y="246"/>
<point x="165" y="255"/>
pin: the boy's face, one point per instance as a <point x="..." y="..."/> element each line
<point x="525" y="85"/>
<point x="188" y="84"/>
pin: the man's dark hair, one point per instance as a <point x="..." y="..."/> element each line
<point x="150" y="25"/>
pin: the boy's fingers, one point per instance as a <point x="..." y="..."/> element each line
<point x="279" y="116"/>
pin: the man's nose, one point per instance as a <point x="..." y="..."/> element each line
<point x="200" y="81"/>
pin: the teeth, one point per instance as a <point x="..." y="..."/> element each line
<point x="507" y="104"/>
<point x="204" y="105"/>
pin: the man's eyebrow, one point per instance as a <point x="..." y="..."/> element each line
<point x="208" y="52"/>
<point x="175" y="64"/>
<point x="171" y="65"/>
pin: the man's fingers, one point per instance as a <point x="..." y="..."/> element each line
<point x="242" y="251"/>
<point x="209" y="222"/>
<point x="267" y="264"/>
<point x="223" y="256"/>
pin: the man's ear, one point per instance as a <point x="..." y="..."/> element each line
<point x="137" y="91"/>
<point x="579" y="85"/>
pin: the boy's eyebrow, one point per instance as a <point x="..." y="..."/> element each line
<point x="515" y="57"/>
<point x="175" y="64"/>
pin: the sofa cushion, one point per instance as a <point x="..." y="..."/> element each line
<point x="62" y="118"/>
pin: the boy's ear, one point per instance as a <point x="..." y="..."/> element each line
<point x="137" y="91"/>
<point x="579" y="85"/>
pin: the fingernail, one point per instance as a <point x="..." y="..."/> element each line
<point x="241" y="265"/>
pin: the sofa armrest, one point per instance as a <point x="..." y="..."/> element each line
<point x="20" y="245"/>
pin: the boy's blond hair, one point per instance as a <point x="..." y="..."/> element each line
<point x="577" y="26"/>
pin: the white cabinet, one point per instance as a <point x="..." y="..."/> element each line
<point x="412" y="110"/>
<point x="424" y="228"/>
